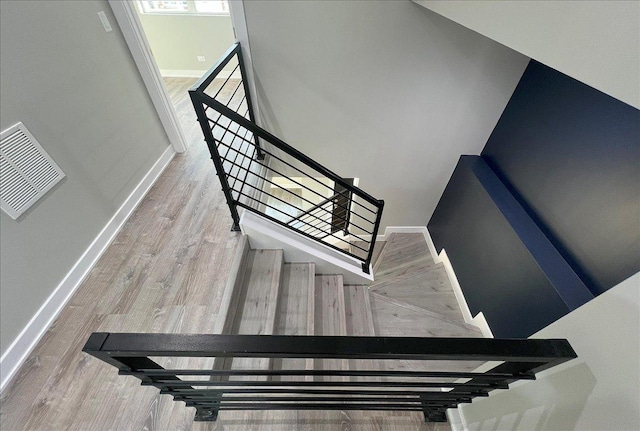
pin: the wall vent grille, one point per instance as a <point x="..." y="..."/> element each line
<point x="27" y="172"/>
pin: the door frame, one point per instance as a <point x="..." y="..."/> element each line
<point x="133" y="33"/>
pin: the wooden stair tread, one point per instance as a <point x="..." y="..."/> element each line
<point x="230" y="295"/>
<point x="292" y="315"/>
<point x="404" y="272"/>
<point x="330" y="318"/>
<point x="377" y="250"/>
<point x="429" y="290"/>
<point x="258" y="302"/>
<point x="329" y="305"/>
<point x="403" y="255"/>
<point x="394" y="318"/>
<point x="401" y="249"/>
<point x="359" y="321"/>
<point x="259" y="294"/>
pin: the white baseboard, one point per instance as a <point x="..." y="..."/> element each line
<point x="177" y="73"/>
<point x="24" y="343"/>
<point x="479" y="320"/>
<point x="455" y="284"/>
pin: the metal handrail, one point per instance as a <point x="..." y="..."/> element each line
<point x="251" y="159"/>
<point x="407" y="391"/>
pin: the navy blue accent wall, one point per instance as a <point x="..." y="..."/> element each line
<point x="571" y="155"/>
<point x="496" y="272"/>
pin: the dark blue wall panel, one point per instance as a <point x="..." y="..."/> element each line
<point x="571" y="155"/>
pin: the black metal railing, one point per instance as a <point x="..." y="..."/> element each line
<point x="262" y="174"/>
<point x="431" y="392"/>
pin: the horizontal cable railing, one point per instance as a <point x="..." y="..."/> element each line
<point x="181" y="365"/>
<point x="262" y="174"/>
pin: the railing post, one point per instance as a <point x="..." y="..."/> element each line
<point x="215" y="156"/>
<point x="247" y="94"/>
<point x="348" y="216"/>
<point x="374" y="235"/>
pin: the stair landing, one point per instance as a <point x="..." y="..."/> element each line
<point x="411" y="296"/>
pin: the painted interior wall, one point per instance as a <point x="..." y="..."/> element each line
<point x="388" y="92"/>
<point x="596" y="42"/>
<point x="77" y="89"/>
<point x="599" y="390"/>
<point x="178" y="40"/>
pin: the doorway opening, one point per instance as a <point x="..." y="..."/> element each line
<point x="185" y="38"/>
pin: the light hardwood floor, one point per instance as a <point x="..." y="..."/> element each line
<point x="164" y="272"/>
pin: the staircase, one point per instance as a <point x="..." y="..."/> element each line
<point x="293" y="349"/>
<point x="298" y="349"/>
<point x="410" y="296"/>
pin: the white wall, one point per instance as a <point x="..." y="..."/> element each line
<point x="177" y="41"/>
<point x="77" y="89"/>
<point x="388" y="92"/>
<point x="596" y="42"/>
<point x="599" y="390"/>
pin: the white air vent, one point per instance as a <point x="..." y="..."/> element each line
<point x="26" y="170"/>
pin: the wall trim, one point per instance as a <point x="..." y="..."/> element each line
<point x="28" y="338"/>
<point x="478" y="320"/>
<point x="193" y="73"/>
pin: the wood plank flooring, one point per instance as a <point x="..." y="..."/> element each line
<point x="164" y="272"/>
